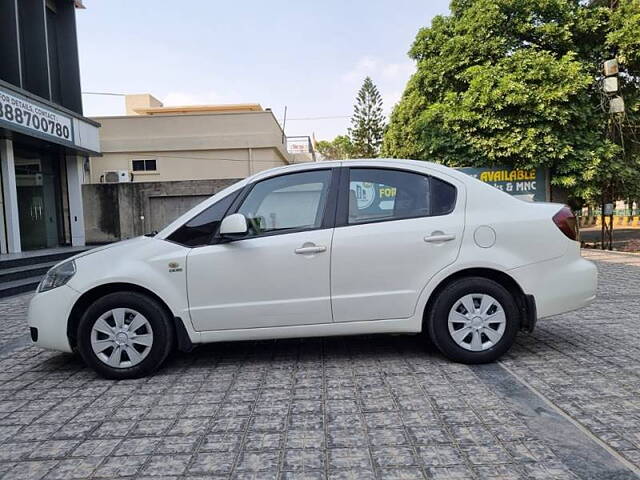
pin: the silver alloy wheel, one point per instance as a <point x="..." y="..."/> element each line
<point x="477" y="322"/>
<point x="121" y="337"/>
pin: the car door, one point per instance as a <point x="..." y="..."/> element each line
<point x="395" y="229"/>
<point x="278" y="274"/>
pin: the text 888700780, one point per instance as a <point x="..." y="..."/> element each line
<point x="28" y="115"/>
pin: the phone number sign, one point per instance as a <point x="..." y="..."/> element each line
<point x="22" y="114"/>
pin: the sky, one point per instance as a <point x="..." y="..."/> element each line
<point x="310" y="56"/>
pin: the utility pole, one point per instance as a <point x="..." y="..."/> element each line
<point x="610" y="87"/>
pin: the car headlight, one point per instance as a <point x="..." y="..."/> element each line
<point x="57" y="276"/>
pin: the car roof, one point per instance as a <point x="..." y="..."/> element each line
<point x="414" y="165"/>
<point x="361" y="162"/>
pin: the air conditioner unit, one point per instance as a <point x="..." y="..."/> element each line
<point x="116" y="176"/>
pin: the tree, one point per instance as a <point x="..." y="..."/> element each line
<point x="624" y="33"/>
<point x="367" y="121"/>
<point x="515" y="82"/>
<point x="339" y="148"/>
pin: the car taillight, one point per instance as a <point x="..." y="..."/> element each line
<point x="567" y="223"/>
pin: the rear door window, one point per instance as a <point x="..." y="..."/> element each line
<point x="386" y="194"/>
<point x="443" y="197"/>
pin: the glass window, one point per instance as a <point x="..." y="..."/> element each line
<point x="200" y="229"/>
<point x="378" y="194"/>
<point x="150" y="165"/>
<point x="144" y="165"/>
<point x="386" y="194"/>
<point x="294" y="201"/>
<point x="443" y="197"/>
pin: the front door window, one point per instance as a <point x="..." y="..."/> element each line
<point x="287" y="203"/>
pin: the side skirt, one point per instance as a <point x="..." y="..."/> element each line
<point x="405" y="325"/>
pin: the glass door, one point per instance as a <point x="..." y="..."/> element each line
<point x="38" y="183"/>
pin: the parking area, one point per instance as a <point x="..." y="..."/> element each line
<point x="563" y="404"/>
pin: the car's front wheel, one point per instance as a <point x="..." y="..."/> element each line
<point x="473" y="320"/>
<point x="125" y="335"/>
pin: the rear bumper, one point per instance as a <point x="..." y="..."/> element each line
<point x="48" y="314"/>
<point x="559" y="285"/>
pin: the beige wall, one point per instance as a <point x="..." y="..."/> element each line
<point x="143" y="100"/>
<point x="190" y="164"/>
<point x="191" y="147"/>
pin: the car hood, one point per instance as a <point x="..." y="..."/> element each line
<point x="112" y="246"/>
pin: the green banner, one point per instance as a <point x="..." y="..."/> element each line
<point x="529" y="185"/>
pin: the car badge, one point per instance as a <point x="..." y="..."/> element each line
<point x="174" y="267"/>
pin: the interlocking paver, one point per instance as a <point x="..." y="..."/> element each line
<point x="403" y="473"/>
<point x="385" y="457"/>
<point x="116" y="467"/>
<point x="259" y="461"/>
<point x="166" y="465"/>
<point x="355" y="474"/>
<point x="347" y="438"/>
<point x="350" y="458"/>
<point x="74" y="468"/>
<point x="440" y="456"/>
<point x="31" y="470"/>
<point x="212" y="463"/>
<point x="53" y="449"/>
<point x="379" y="407"/>
<point x="304" y="460"/>
<point x="137" y="446"/>
<point x="96" y="448"/>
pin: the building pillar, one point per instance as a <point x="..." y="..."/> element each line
<point x="3" y="230"/>
<point x="76" y="212"/>
<point x="3" y="233"/>
<point x="10" y="197"/>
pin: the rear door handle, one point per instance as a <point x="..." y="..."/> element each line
<point x="308" y="249"/>
<point x="440" y="238"/>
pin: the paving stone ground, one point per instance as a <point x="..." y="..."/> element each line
<point x="379" y="407"/>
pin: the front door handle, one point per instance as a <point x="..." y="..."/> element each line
<point x="307" y="249"/>
<point x="439" y="237"/>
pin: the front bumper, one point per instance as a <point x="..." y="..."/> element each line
<point x="49" y="313"/>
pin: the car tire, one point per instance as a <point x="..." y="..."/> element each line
<point x="125" y="335"/>
<point x="459" y="320"/>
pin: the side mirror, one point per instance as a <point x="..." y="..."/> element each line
<point x="233" y="225"/>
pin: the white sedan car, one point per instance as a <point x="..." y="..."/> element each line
<point x="330" y="248"/>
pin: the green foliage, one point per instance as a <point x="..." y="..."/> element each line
<point x="339" y="148"/>
<point x="624" y="34"/>
<point x="367" y="121"/>
<point x="515" y="82"/>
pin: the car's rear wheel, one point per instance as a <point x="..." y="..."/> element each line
<point x="125" y="335"/>
<point x="473" y="320"/>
